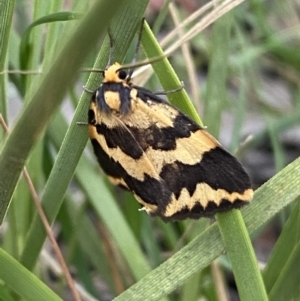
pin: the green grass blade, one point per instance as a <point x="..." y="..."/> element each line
<point x="20" y="213"/>
<point x="76" y="138"/>
<point x="23" y="282"/>
<point x="55" y="17"/>
<point x="278" y="150"/>
<point x="232" y="227"/>
<point x="25" y="41"/>
<point x="36" y="115"/>
<point x="215" y="97"/>
<point x="247" y="262"/>
<point x="191" y="288"/>
<point x="240" y="104"/>
<point x="4" y="294"/>
<point x="268" y="200"/>
<point x="280" y="275"/>
<point x="6" y="14"/>
<point x="242" y="257"/>
<point x="166" y="74"/>
<point x="107" y="209"/>
<point x="87" y="237"/>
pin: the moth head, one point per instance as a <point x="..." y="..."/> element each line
<point x="114" y="73"/>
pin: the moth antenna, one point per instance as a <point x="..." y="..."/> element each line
<point x="132" y="65"/>
<point x="92" y="70"/>
<point x="142" y="63"/>
<point x="137" y="47"/>
<point x="111" y="52"/>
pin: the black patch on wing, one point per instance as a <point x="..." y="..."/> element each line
<point x="150" y="190"/>
<point x="217" y="168"/>
<point x="119" y="137"/>
<point x="145" y="94"/>
<point x="164" y="138"/>
<point x="91" y="117"/>
<point x="198" y="211"/>
<point x="212" y="170"/>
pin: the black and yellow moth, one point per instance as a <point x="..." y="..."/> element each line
<point x="174" y="168"/>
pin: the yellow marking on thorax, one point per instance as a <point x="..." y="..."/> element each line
<point x="112" y="99"/>
<point x="111" y="74"/>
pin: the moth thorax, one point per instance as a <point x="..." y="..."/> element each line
<point x="113" y="101"/>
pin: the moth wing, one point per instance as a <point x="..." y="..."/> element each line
<point x="122" y="158"/>
<point x="172" y="165"/>
<point x="203" y="178"/>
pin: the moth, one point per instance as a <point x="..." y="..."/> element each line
<point x="174" y="168"/>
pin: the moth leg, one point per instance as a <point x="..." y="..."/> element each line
<point x="88" y="90"/>
<point x="171" y="91"/>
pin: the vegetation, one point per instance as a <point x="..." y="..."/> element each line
<point x="241" y="64"/>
